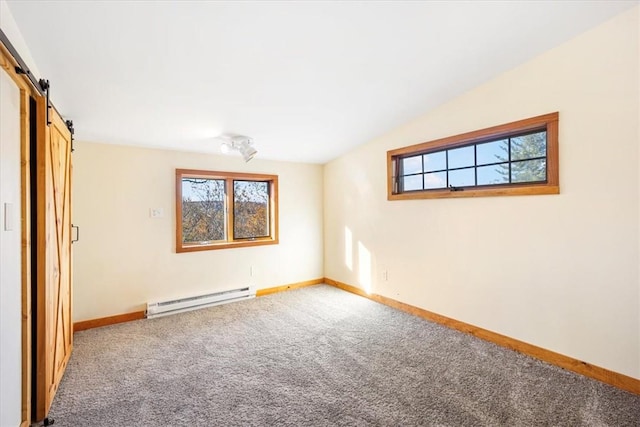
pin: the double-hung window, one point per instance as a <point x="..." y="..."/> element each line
<point x="512" y="159"/>
<point x="216" y="210"/>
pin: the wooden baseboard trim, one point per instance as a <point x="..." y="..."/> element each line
<point x="106" y="321"/>
<point x="606" y="376"/>
<point x="137" y="315"/>
<point x="267" y="291"/>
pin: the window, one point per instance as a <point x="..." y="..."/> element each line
<point x="513" y="159"/>
<point x="216" y="210"/>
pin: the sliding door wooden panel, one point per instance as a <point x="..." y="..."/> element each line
<point x="53" y="308"/>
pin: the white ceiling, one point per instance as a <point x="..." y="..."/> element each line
<point x="307" y="81"/>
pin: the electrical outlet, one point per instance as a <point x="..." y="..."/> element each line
<point x="156" y="213"/>
<point x="385" y="275"/>
<point x="251" y="271"/>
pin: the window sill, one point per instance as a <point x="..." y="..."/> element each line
<point x="479" y="192"/>
<point x="226" y="245"/>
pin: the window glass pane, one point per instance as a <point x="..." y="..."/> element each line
<point x="492" y="152"/>
<point x="529" y="171"/>
<point x="494" y="174"/>
<point x="203" y="211"/>
<point x="529" y="146"/>
<point x="435" y="161"/>
<point x="411" y="183"/>
<point x="250" y="209"/>
<point x="435" y="180"/>
<point x="411" y="165"/>
<point x="461" y="157"/>
<point x="512" y="158"/>
<point x="462" y="177"/>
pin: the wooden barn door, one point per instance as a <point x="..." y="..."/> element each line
<point x="52" y="317"/>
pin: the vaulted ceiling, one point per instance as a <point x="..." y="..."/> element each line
<point x="307" y="81"/>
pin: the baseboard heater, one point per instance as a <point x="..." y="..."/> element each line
<point x="164" y="308"/>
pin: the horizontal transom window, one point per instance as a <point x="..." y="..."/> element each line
<point x="216" y="210"/>
<point x="516" y="158"/>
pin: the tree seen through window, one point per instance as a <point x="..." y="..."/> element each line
<point x="217" y="209"/>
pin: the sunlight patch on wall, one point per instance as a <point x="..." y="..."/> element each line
<point x="348" y="248"/>
<point x="364" y="267"/>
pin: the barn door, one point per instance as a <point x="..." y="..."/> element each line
<point x="52" y="317"/>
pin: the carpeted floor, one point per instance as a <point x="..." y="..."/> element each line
<point x="318" y="356"/>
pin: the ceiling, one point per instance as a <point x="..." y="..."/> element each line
<point x="308" y="81"/>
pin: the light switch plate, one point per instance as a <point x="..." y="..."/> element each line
<point x="8" y="217"/>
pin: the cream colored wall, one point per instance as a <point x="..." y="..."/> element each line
<point x="558" y="271"/>
<point x="125" y="258"/>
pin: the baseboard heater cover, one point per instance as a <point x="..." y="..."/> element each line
<point x="164" y="308"/>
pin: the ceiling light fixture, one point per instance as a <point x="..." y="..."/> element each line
<point x="242" y="144"/>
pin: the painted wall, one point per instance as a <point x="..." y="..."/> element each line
<point x="125" y="258"/>
<point x="558" y="271"/>
<point x="11" y="30"/>
<point x="10" y="253"/>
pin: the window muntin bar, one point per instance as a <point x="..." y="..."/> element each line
<point x="516" y="158"/>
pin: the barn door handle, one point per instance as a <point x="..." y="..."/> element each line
<point x="77" y="233"/>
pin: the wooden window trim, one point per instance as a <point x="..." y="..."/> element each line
<point x="228" y="177"/>
<point x="551" y="186"/>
